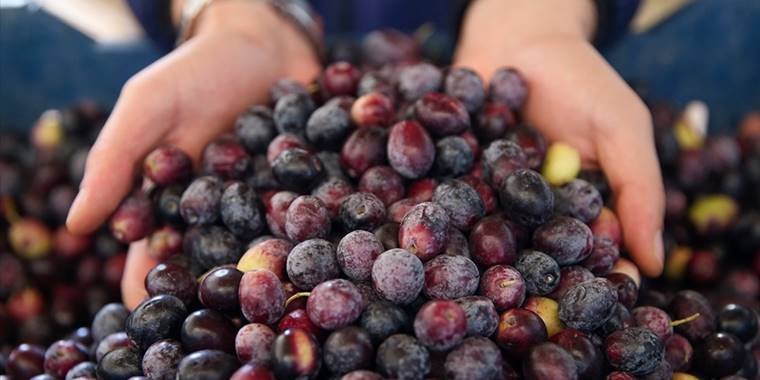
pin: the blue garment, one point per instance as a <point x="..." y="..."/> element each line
<point x="707" y="51"/>
<point x="355" y="17"/>
<point x="613" y="19"/>
<point x="155" y="18"/>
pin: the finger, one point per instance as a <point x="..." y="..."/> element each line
<point x="627" y="155"/>
<point x="132" y="130"/>
<point x="137" y="267"/>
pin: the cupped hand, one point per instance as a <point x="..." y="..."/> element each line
<point x="185" y="99"/>
<point x="576" y="97"/>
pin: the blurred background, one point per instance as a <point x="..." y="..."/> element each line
<point x="54" y="53"/>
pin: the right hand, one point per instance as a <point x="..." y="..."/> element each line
<point x="578" y="98"/>
<point x="186" y="99"/>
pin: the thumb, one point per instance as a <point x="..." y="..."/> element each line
<point x="627" y="155"/>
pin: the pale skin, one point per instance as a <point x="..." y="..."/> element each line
<point x="196" y="92"/>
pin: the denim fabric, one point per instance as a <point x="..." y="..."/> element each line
<point x="708" y="51"/>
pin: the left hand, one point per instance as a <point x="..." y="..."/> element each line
<point x="186" y="99"/>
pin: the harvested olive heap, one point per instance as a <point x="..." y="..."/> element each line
<point x="402" y="223"/>
<point x="51" y="281"/>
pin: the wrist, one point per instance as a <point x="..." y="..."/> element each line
<point x="267" y="33"/>
<point x="515" y="24"/>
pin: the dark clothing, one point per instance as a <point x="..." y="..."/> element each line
<point x="155" y="18"/>
<point x="352" y="18"/>
<point x="613" y="17"/>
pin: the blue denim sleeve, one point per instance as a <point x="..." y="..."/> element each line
<point x="613" y="17"/>
<point x="155" y="18"/>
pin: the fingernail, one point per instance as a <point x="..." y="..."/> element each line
<point x="659" y="250"/>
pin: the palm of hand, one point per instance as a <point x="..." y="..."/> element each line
<point x="185" y="100"/>
<point x="577" y="98"/>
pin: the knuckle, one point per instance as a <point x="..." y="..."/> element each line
<point x="641" y="111"/>
<point x="133" y="85"/>
<point x="139" y="86"/>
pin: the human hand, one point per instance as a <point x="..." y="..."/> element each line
<point x="186" y="99"/>
<point x="576" y="97"/>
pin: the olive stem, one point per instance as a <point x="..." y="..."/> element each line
<point x="685" y="320"/>
<point x="296" y="296"/>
